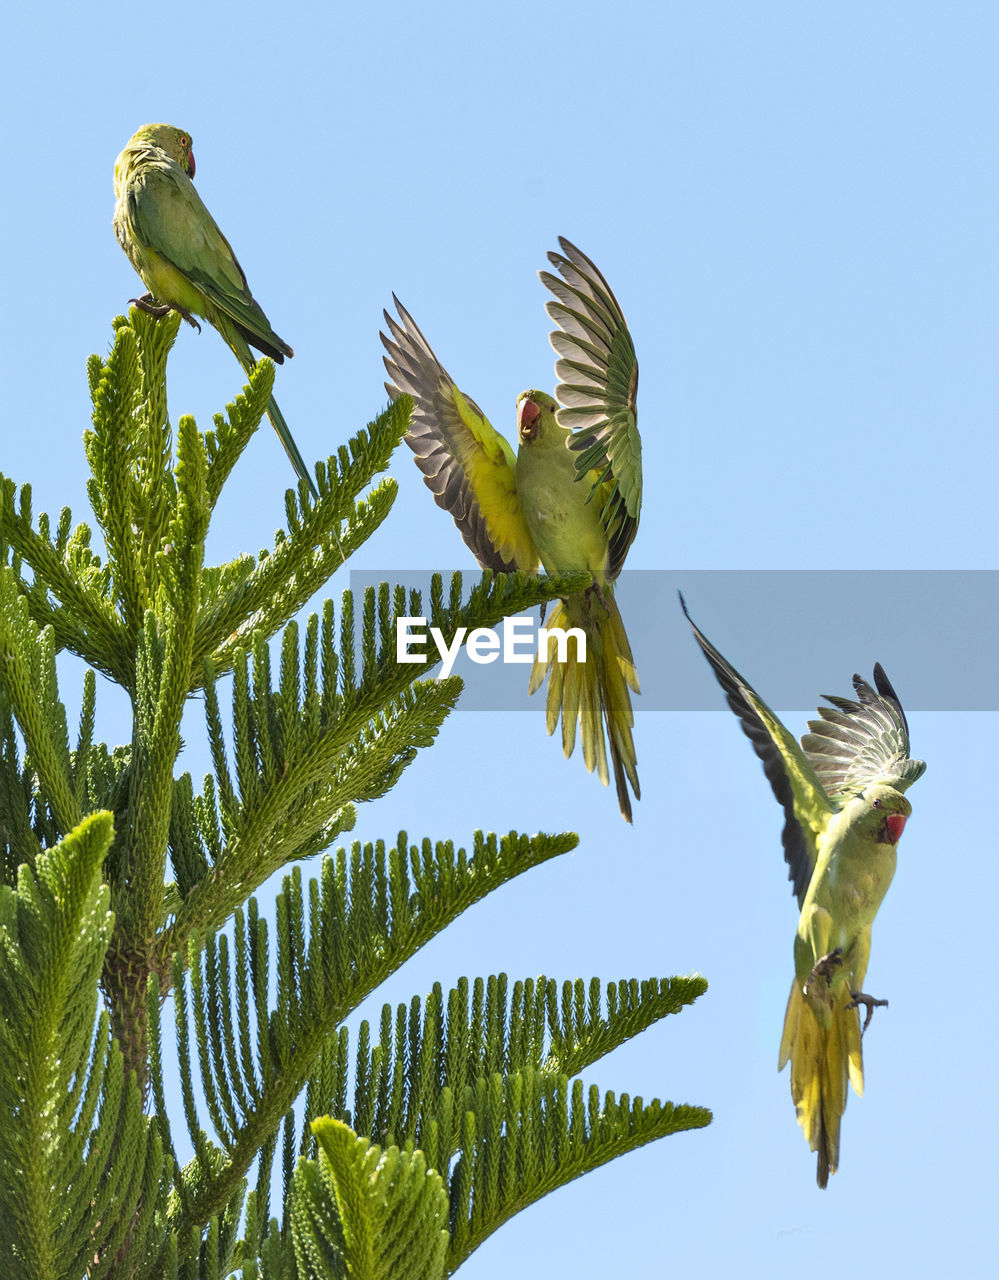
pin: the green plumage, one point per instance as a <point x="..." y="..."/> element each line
<point x="569" y="499"/>
<point x="184" y="260"/>
<point x="841" y="792"/>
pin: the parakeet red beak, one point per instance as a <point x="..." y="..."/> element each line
<point x="895" y="822"/>
<point x="190" y="164"/>
<point x="527" y="419"/>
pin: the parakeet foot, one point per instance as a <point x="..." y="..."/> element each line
<point x="869" y="1003"/>
<point x="152" y="308"/>
<point x="823" y="969"/>
<point x="598" y="591"/>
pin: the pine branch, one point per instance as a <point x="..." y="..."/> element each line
<point x="327" y="737"/>
<point x="367" y="914"/>
<point x="313" y="547"/>
<point x="76" y="1155"/>
<point x="28" y="678"/>
<point x="164" y="660"/>
<point x="294" y="799"/>
<point x="20" y="840"/>
<point x="580" y="1032"/>
<point x="447" y="1043"/>
<point x="83" y="620"/>
<point x="112" y="446"/>
<point x="232" y="433"/>
<point x="392" y="1211"/>
<point x="155" y="493"/>
<point x="517" y="1136"/>
<point x="475" y="1081"/>
<point x="523" y="1135"/>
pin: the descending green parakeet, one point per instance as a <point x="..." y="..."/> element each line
<point x="570" y="498"/>
<point x="184" y="260"/>
<point x="841" y="792"/>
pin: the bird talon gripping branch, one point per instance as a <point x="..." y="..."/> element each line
<point x="151" y="307"/>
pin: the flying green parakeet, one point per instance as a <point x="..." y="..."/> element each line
<point x="570" y="498"/>
<point x="184" y="260"/>
<point x="841" y="792"/>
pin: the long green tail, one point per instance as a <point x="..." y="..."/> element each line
<point x="290" y="447"/>
<point x="824" y="1048"/>
<point x="594" y="693"/>
<point x="241" y="350"/>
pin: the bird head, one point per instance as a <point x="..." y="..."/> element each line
<point x="535" y="415"/>
<point x="175" y="142"/>
<point x="886" y="812"/>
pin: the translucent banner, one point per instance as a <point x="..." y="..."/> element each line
<point x="794" y="635"/>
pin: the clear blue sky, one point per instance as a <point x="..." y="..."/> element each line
<point x="797" y="208"/>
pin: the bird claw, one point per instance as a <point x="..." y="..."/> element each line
<point x="869" y="1003"/>
<point x="152" y="308"/>
<point x="598" y="590"/>
<point x="823" y="969"/>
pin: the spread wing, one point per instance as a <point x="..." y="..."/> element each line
<point x="598" y="389"/>
<point x="859" y="743"/>
<point x="466" y="463"/>
<point x="169" y="217"/>
<point x="790" y="772"/>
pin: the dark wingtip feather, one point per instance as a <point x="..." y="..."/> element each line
<point x="883" y="684"/>
<point x="863" y="740"/>
<point x="887" y="690"/>
<point x="797" y="852"/>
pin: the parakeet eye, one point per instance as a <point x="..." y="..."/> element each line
<point x="875" y="804"/>
<point x="184" y="140"/>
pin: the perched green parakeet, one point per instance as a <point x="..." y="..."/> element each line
<point x="570" y="498"/>
<point x="841" y="792"/>
<point x="184" y="259"/>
